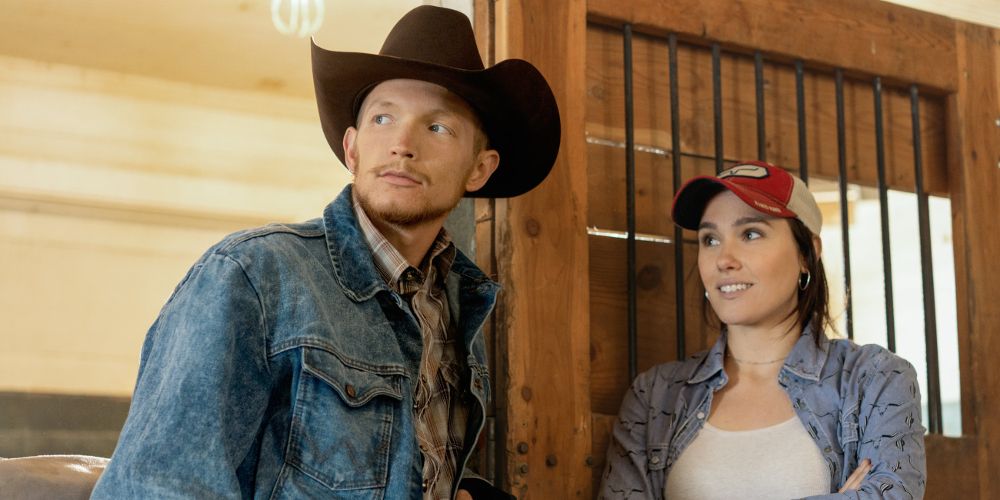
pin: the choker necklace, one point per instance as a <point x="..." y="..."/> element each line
<point x="748" y="362"/>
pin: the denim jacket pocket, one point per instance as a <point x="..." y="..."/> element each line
<point x="342" y="424"/>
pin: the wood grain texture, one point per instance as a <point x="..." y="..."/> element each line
<point x="974" y="204"/>
<point x="952" y="470"/>
<point x="602" y="423"/>
<point x="860" y="35"/>
<point x="656" y="333"/>
<point x="542" y="260"/>
<point x="606" y="101"/>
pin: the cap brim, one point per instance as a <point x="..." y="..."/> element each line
<point x="690" y="201"/>
<point x="513" y="100"/>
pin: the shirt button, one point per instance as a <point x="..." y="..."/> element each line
<point x="351" y="391"/>
<point x="655" y="460"/>
<point x="700" y="415"/>
<point x="424" y="485"/>
<point x="827" y="449"/>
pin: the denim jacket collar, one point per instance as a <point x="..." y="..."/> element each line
<point x="711" y="365"/>
<point x="806" y="360"/>
<point x="351" y="258"/>
<point x="470" y="292"/>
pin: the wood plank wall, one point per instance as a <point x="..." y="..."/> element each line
<point x="542" y="258"/>
<point x="974" y="142"/>
<point x="107" y="176"/>
<point x="955" y="66"/>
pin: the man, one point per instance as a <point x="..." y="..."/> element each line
<point x="343" y="357"/>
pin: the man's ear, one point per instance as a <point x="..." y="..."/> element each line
<point x="350" y="152"/>
<point x="487" y="162"/>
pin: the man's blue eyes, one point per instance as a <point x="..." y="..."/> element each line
<point x="436" y="128"/>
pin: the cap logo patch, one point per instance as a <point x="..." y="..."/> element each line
<point x="751" y="171"/>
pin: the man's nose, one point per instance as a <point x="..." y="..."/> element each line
<point x="404" y="143"/>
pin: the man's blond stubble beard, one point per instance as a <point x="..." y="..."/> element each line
<point x="403" y="218"/>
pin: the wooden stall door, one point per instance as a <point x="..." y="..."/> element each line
<point x="558" y="333"/>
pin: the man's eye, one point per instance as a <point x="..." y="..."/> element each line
<point x="439" y="129"/>
<point x="709" y="240"/>
<point x="380" y="119"/>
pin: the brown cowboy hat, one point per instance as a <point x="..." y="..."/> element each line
<point x="434" y="44"/>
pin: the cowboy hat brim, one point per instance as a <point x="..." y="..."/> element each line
<point x="513" y="101"/>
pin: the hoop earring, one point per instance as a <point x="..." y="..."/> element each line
<point x="808" y="275"/>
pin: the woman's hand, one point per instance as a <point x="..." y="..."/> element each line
<point x="463" y="495"/>
<point x="854" y="480"/>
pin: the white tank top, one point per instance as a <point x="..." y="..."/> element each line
<point x="776" y="462"/>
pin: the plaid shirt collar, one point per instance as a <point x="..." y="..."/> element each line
<point x="393" y="267"/>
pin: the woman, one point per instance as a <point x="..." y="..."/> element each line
<point x="775" y="409"/>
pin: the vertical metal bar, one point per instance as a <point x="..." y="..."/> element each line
<point x="491" y="443"/>
<point x="675" y="156"/>
<point x="883" y="198"/>
<point x="842" y="185"/>
<point x="630" y="203"/>
<point x="758" y="74"/>
<point x="800" y="106"/>
<point x="927" y="271"/>
<point x="717" y="104"/>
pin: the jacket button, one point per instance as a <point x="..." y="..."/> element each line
<point x="655" y="460"/>
<point x="351" y="391"/>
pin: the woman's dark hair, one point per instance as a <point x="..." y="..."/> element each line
<point x="814" y="302"/>
<point x="812" y="311"/>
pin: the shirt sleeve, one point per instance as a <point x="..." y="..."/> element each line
<point x="891" y="434"/>
<point x="201" y="393"/>
<point x="625" y="472"/>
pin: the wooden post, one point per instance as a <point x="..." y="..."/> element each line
<point x="542" y="262"/>
<point x="976" y="174"/>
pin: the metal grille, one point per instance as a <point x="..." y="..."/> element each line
<point x="933" y="392"/>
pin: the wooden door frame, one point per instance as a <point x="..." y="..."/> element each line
<point x="538" y="241"/>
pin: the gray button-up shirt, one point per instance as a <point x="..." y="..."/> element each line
<point x="856" y="402"/>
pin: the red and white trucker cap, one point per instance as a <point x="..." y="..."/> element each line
<point x="767" y="188"/>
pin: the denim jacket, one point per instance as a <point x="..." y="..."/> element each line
<point x="855" y="402"/>
<point x="283" y="367"/>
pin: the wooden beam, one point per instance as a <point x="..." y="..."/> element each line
<point x="542" y="260"/>
<point x="865" y="36"/>
<point x="976" y="181"/>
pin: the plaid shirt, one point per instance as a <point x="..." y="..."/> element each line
<point x="440" y="407"/>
